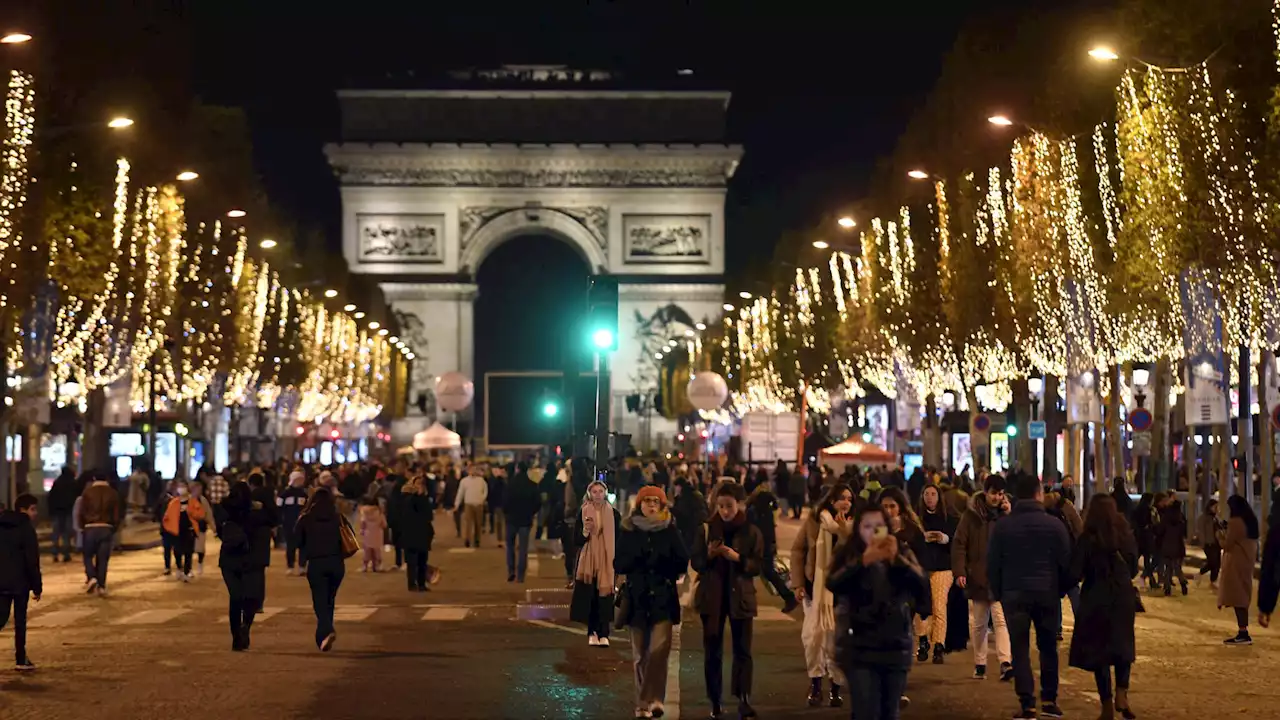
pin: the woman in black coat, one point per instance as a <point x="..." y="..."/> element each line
<point x="652" y="556"/>
<point x="1145" y="521"/>
<point x="319" y="533"/>
<point x="416" y="511"/>
<point x="939" y="526"/>
<point x="1105" y="561"/>
<point x="245" y="532"/>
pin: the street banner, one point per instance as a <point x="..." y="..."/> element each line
<point x="1206" y="368"/>
<point x="1084" y="404"/>
<point x="907" y="404"/>
<point x="116" y="411"/>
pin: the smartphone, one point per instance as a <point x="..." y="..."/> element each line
<point x="882" y="531"/>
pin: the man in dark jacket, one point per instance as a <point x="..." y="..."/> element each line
<point x="969" y="564"/>
<point x="19" y="571"/>
<point x="62" y="501"/>
<point x="290" y="502"/>
<point x="395" y="500"/>
<point x="99" y="517"/>
<point x="1029" y="568"/>
<point x="523" y="499"/>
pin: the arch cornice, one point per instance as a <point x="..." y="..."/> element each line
<point x="532" y="221"/>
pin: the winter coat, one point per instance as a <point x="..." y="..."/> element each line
<point x="256" y="526"/>
<point x="1108" y="603"/>
<point x="319" y="534"/>
<point x="523" y="498"/>
<point x="99" y="506"/>
<point x="804" y="553"/>
<point x="62" y="495"/>
<point x="173" y="515"/>
<point x="652" y="563"/>
<point x="715" y="575"/>
<point x="1269" y="579"/>
<point x="1207" y="528"/>
<point x="936" y="557"/>
<point x="797" y="487"/>
<point x="1029" y="555"/>
<point x="586" y="594"/>
<point x="416" y="531"/>
<point x="1144" y="528"/>
<point x="1239" y="553"/>
<point x="1065" y="511"/>
<point x="19" y="555"/>
<point x="1172" y="533"/>
<point x="875" y="605"/>
<point x="969" y="547"/>
<point x="760" y="512"/>
<point x="289" y="503"/>
<point x="690" y="513"/>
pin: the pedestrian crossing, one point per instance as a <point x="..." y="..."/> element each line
<point x="351" y="614"/>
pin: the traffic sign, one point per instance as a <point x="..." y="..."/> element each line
<point x="1036" y="430"/>
<point x="1140" y="420"/>
<point x="982" y="423"/>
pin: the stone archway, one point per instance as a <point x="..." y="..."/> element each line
<point x="494" y="226"/>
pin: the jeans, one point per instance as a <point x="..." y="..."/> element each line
<point x="19" y="605"/>
<point x="797" y="504"/>
<point x="713" y="657"/>
<point x="63" y="532"/>
<point x="1212" y="561"/>
<point x="980" y="613"/>
<point x="97" y="553"/>
<point x="650" y="649"/>
<point x="875" y="691"/>
<point x="416" y="568"/>
<point x="1102" y="678"/>
<point x="168" y="541"/>
<point x="240" y="609"/>
<point x="324" y="575"/>
<point x="517" y="565"/>
<point x="1042" y="613"/>
<point x="1170" y="568"/>
<point x="1073" y="596"/>
<point x="293" y="555"/>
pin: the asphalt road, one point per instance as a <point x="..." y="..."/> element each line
<point x="159" y="649"/>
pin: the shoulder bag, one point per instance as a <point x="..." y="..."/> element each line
<point x="350" y="541"/>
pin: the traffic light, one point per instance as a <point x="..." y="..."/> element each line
<point x="1011" y="431"/>
<point x="602" y="314"/>
<point x="550" y="409"/>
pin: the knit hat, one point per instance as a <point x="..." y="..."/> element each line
<point x="649" y="491"/>
<point x="297" y="475"/>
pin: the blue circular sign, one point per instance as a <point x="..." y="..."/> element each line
<point x="1140" y="420"/>
<point x="982" y="423"/>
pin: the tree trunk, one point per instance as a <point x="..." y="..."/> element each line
<point x="1115" y="454"/>
<point x="1158" y="400"/>
<point x="1022" y="417"/>
<point x="1099" y="462"/>
<point x="981" y="453"/>
<point x="1049" y="413"/>
<point x="93" y="453"/>
<point x="1266" y="435"/>
<point x="932" y="433"/>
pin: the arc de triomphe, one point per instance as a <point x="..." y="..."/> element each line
<point x="432" y="181"/>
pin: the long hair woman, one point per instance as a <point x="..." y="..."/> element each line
<point x="1105" y="562"/>
<point x="1239" y="553"/>
<point x="939" y="525"/>
<point x="879" y="588"/>
<point x="728" y="556"/>
<point x="592" y="603"/>
<point x="811" y="554"/>
<point x="320" y="538"/>
<point x="905" y="525"/>
<point x="245" y="532"/>
<point x="652" y="555"/>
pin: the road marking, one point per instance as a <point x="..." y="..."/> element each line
<point x="151" y="617"/>
<point x="59" y="618"/>
<point x="672" y="702"/>
<point x="263" y="615"/>
<point x="462" y="550"/>
<point x="572" y="630"/>
<point x="353" y="613"/>
<point x="446" y="613"/>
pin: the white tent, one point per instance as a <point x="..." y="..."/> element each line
<point x="437" y="437"/>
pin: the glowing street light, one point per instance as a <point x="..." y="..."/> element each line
<point x="917" y="175"/>
<point x="331" y="293"/>
<point x="393" y="340"/>
<point x="383" y="332"/>
<point x="15" y="38"/>
<point x="701" y="326"/>
<point x="236" y="213"/>
<point x="359" y="315"/>
<point x="821" y="244"/>
<point x="744" y="295"/>
<point x="117" y="123"/>
<point x="846" y="222"/>
<point x="187" y="175"/>
<point x="1102" y="53"/>
<point x="349" y="307"/>
<point x="267" y="243"/>
<point x="374" y="325"/>
<point x="602" y="338"/>
<point x="728" y="307"/>
<point x="1000" y="120"/>
<point x="550" y="409"/>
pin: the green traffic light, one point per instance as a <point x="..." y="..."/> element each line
<point x="603" y="338"/>
<point x="1012" y="431"/>
<point x="550" y="409"/>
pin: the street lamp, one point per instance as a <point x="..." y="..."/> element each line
<point x="117" y="123"/>
<point x="236" y="213"/>
<point x="374" y="325"/>
<point x="846" y="222"/>
<point x="188" y="175"/>
<point x="349" y="307"/>
<point x="917" y="174"/>
<point x="1102" y="53"/>
<point x="1000" y="120"/>
<point x="359" y="315"/>
<point x="1141" y="376"/>
<point x="15" y="38"/>
<point x="267" y="243"/>
<point x="393" y="340"/>
<point x="331" y="293"/>
<point x="728" y="307"/>
<point x="821" y="244"/>
<point x="1035" y="386"/>
<point x="700" y="326"/>
<point x="744" y="295"/>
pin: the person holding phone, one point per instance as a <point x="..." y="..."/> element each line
<point x="728" y="556"/>
<point x="592" y="602"/>
<point x="935" y="559"/>
<point x="879" y="589"/>
<point x="811" y="554"/>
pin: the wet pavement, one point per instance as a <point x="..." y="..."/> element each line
<point x="159" y="649"/>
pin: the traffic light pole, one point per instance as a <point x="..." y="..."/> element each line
<point x="602" y="413"/>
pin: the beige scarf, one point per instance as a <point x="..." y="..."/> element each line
<point x="595" y="563"/>
<point x="823" y="600"/>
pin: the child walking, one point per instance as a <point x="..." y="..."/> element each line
<point x="373" y="524"/>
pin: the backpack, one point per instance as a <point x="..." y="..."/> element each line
<point x="235" y="541"/>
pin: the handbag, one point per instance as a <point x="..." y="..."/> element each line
<point x="621" y="606"/>
<point x="350" y="542"/>
<point x="687" y="600"/>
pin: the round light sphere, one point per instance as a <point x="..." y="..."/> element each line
<point x="454" y="391"/>
<point x="707" y="391"/>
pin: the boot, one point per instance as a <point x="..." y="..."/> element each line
<point x="938" y="652"/>
<point x="836" y="700"/>
<point x="716" y="712"/>
<point x="815" y="692"/>
<point x="922" y="649"/>
<point x="1108" y="710"/>
<point x="745" y="711"/>
<point x="1122" y="704"/>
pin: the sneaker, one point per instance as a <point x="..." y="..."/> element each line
<point x="603" y="642"/>
<point x="657" y="710"/>
<point x="1006" y="672"/>
<point x="327" y="643"/>
<point x="90" y="585"/>
<point x="904" y="702"/>
<point x="511" y="578"/>
<point x="1025" y="714"/>
<point x="922" y="649"/>
<point x="185" y="577"/>
<point x="1050" y="710"/>
<point x="395" y="568"/>
<point x="200" y="569"/>
<point x="168" y="572"/>
<point x="102" y="592"/>
<point x="1240" y="639"/>
<point x="25" y="666"/>
<point x="593" y="640"/>
<point x="979" y="672"/>
<point x="642" y="713"/>
<point x="364" y="568"/>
